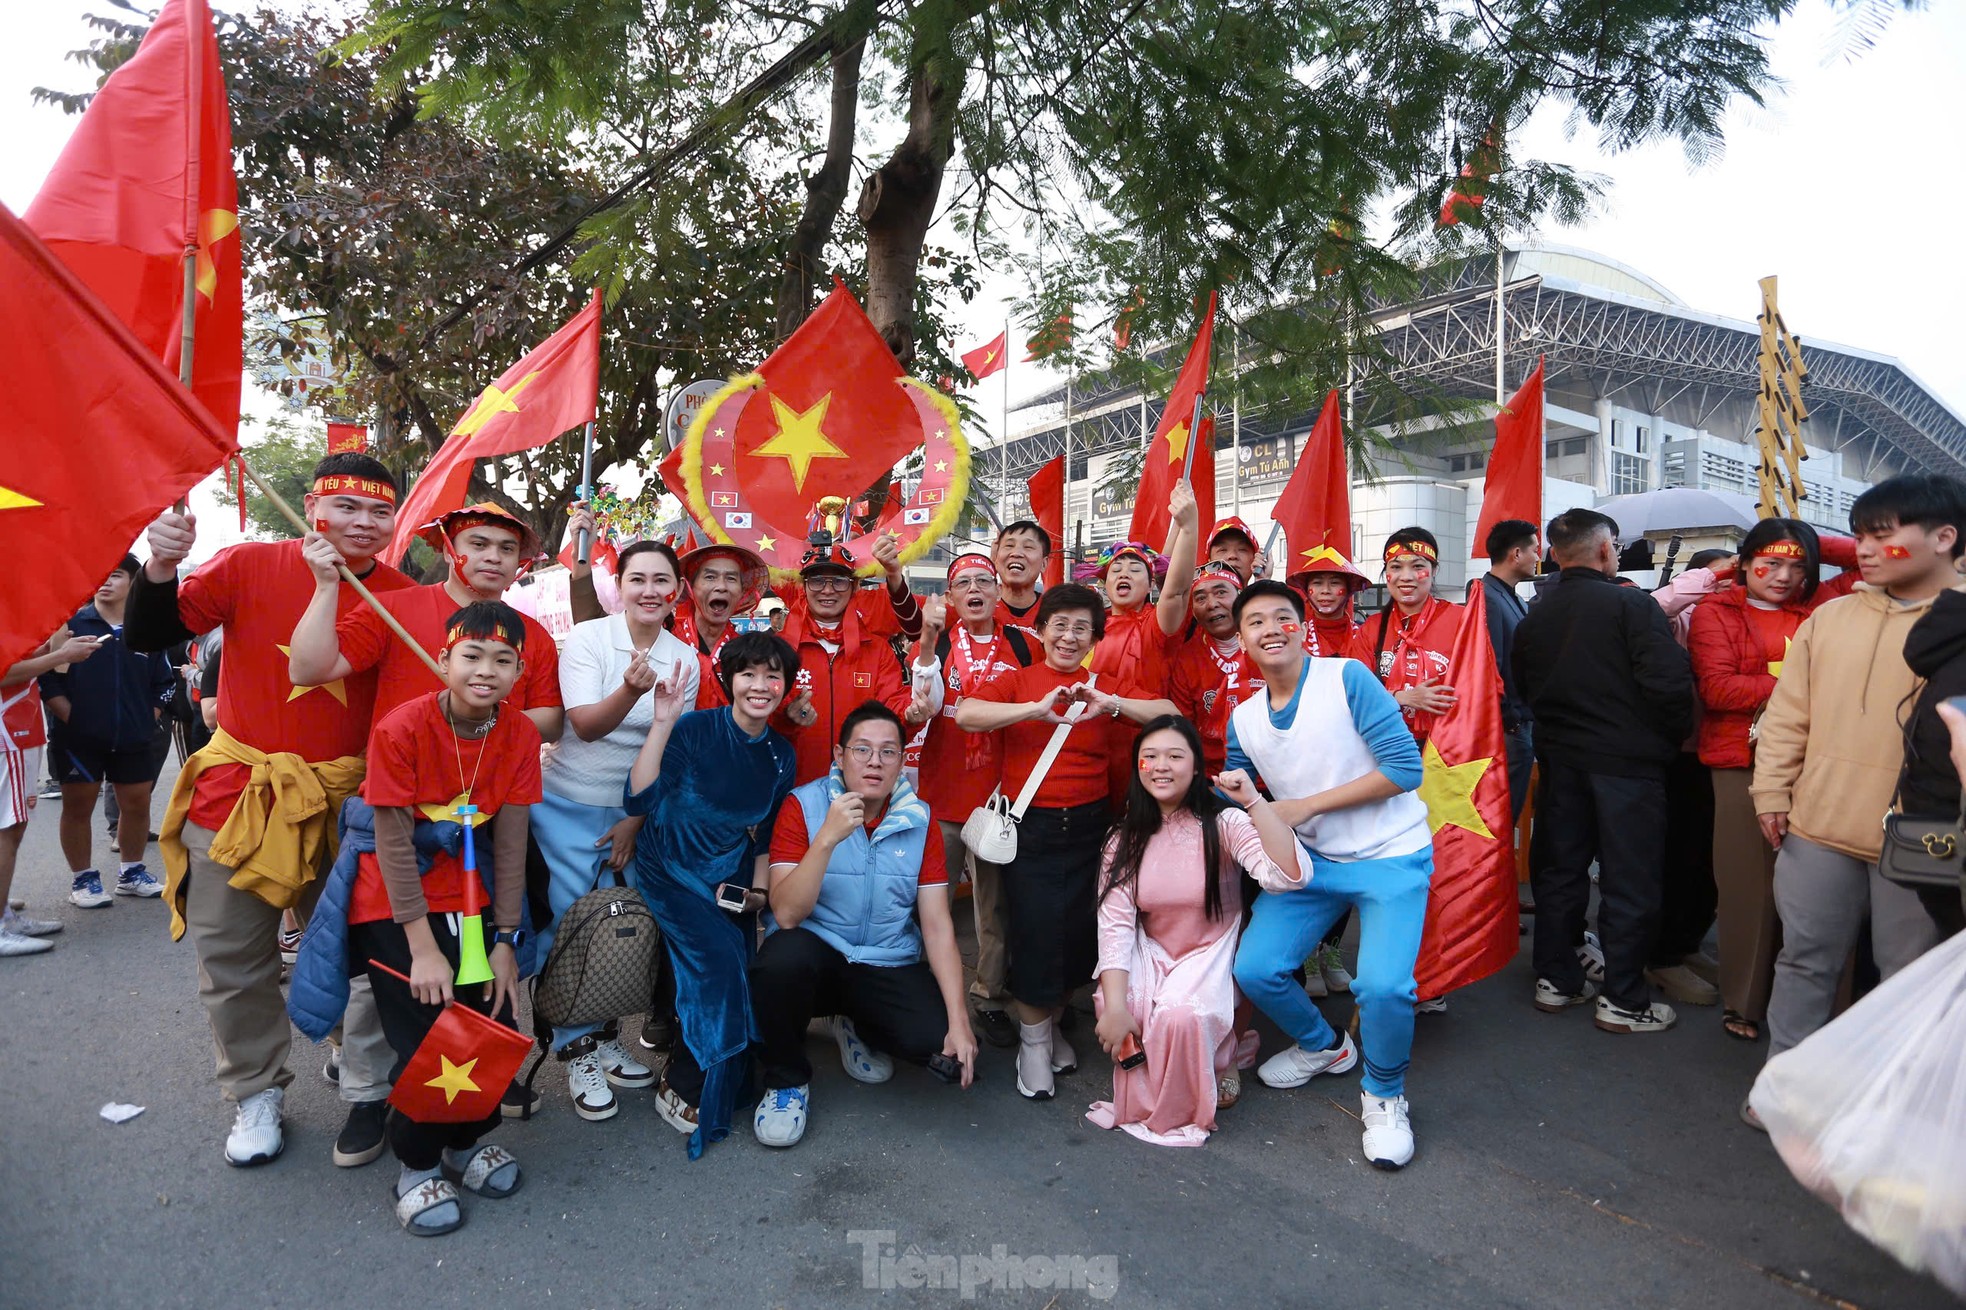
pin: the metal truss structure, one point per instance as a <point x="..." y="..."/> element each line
<point x="1651" y="356"/>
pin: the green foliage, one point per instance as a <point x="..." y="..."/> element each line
<point x="285" y="455"/>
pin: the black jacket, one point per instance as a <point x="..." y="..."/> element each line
<point x="1935" y="648"/>
<point x="1611" y="690"/>
<point x="115" y="694"/>
<point x="1505" y="611"/>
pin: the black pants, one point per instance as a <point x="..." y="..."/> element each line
<point x="896" y="1009"/>
<point x="1621" y="823"/>
<point x="1049" y="895"/>
<point x="1689" y="895"/>
<point x="406" y="1022"/>
<point x="1521" y="744"/>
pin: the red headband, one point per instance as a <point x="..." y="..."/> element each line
<point x="1394" y="549"/>
<point x="973" y="562"/>
<point x="347" y="484"/>
<point x="1781" y="550"/>
<point x="516" y="639"/>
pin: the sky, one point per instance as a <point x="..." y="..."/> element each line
<point x="1843" y="185"/>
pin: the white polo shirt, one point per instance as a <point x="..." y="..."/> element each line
<point x="597" y="653"/>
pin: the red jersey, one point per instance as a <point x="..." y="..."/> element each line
<point x="1026" y="618"/>
<point x="1406" y="652"/>
<point x="1205" y="684"/>
<point x="789" y="842"/>
<point x="1330" y="638"/>
<point x="1135" y="648"/>
<point x="1079" y="775"/>
<point x="367" y="643"/>
<point x="861" y="668"/>
<point x="20" y="715"/>
<point x="958" y="770"/>
<point x="257" y="592"/>
<point x="415" y="760"/>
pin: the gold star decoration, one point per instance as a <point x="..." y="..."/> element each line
<point x="448" y="812"/>
<point x="455" y="1078"/>
<point x="717" y="470"/>
<point x="490" y="403"/>
<point x="336" y="689"/>
<point x="1177" y="441"/>
<point x="1448" y="790"/>
<point x="11" y="499"/>
<point x="941" y="466"/>
<point x="767" y="543"/>
<point x="1774" y="666"/>
<point x="800" y="438"/>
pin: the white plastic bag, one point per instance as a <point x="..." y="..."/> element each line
<point x="1870" y="1114"/>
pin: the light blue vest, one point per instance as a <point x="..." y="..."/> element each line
<point x="866" y="905"/>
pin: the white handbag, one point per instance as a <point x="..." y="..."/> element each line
<point x="991" y="830"/>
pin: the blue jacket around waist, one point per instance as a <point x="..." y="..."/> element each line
<point x="114" y="695"/>
<point x="318" y="993"/>
<point x="866" y="905"/>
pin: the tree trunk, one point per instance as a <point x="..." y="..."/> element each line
<point x="825" y="194"/>
<point x="898" y="201"/>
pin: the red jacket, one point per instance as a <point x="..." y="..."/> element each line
<point x="865" y="669"/>
<point x="1730" y="664"/>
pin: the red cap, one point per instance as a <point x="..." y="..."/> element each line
<point x="1232" y="524"/>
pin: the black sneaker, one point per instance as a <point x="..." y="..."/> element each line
<point x="995" y="1027"/>
<point x="657" y="1036"/>
<point x="362" y="1137"/>
<point x="519" y="1101"/>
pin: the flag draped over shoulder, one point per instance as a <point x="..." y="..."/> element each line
<point x="1048" y="508"/>
<point x="1513" y="487"/>
<point x="1168" y="451"/>
<point x="146" y="179"/>
<point x="555" y="387"/>
<point x="84" y="396"/>
<point x="1471" y="907"/>
<point x="1315" y="509"/>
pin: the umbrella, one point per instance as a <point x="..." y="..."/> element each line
<point x="1678" y="509"/>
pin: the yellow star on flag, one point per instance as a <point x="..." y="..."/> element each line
<point x="11" y="499"/>
<point x="717" y="470"/>
<point x="448" y="812"/>
<point x="1775" y="666"/>
<point x="335" y="689"/>
<point x="455" y="1078"/>
<point x="1448" y="790"/>
<point x="216" y="226"/>
<point x="767" y="543"/>
<point x="800" y="438"/>
<point x="491" y="402"/>
<point x="989" y="357"/>
<point x="1177" y="442"/>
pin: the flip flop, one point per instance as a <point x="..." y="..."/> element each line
<point x="1732" y="1022"/>
<point x="480" y="1167"/>
<point x="420" y="1200"/>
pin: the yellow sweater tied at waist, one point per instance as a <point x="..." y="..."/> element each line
<point x="279" y="834"/>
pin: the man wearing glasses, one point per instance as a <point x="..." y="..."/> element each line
<point x="841" y="664"/>
<point x="856" y="859"/>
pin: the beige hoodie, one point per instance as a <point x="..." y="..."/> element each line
<point x="1831" y="742"/>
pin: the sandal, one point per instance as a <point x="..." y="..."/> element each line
<point x="481" y="1167"/>
<point x="1740" y="1026"/>
<point x="428" y="1195"/>
<point x="1228" y="1089"/>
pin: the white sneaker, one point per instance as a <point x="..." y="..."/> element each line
<point x="1591" y="956"/>
<point x="587" y="1084"/>
<point x="1551" y="999"/>
<point x="1438" y="1005"/>
<point x="781" y="1116"/>
<point x="13" y="942"/>
<point x="15" y="921"/>
<point x="1388" y="1136"/>
<point x="1034" y="1061"/>
<point x="623" y="1069"/>
<point x="86" y="891"/>
<point x="1654" y="1018"/>
<point x="1315" y="986"/>
<point x="1294" y="1066"/>
<point x="1336" y="976"/>
<point x="862" y="1062"/>
<point x="256" y="1137"/>
<point x="1063" y="1058"/>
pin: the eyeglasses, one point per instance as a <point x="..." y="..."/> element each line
<point x="1079" y="630"/>
<point x="974" y="583"/>
<point x="828" y="582"/>
<point x="863" y="752"/>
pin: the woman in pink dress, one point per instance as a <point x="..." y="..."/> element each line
<point x="1170" y="912"/>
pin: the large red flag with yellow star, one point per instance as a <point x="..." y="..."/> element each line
<point x="1169" y="449"/>
<point x="80" y="385"/>
<point x="1315" y="509"/>
<point x="1471" y="909"/>
<point x="147" y="179"/>
<point x="556" y="386"/>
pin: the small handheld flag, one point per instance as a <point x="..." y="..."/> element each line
<point x="460" y="1069"/>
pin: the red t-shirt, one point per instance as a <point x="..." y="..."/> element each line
<point x="257" y="592"/>
<point x="367" y="643"/>
<point x="789" y="843"/>
<point x="1028" y="620"/>
<point x="416" y="760"/>
<point x="1078" y="776"/>
<point x="1774" y="629"/>
<point x="958" y="770"/>
<point x="1205" y="685"/>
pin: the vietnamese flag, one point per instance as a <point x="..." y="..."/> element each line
<point x="990" y="357"/>
<point x="1467" y="192"/>
<point x="100" y="437"/>
<point x="145" y="182"/>
<point x="1315" y="509"/>
<point x="1513" y="486"/>
<point x="1049" y="339"/>
<point x="1048" y="508"/>
<point x="556" y="386"/>
<point x="461" y="1069"/>
<point x="1169" y="449"/>
<point x="348" y="438"/>
<point x="1471" y="906"/>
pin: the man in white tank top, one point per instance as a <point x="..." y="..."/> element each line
<point x="1330" y="746"/>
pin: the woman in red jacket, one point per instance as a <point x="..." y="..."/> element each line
<point x="1738" y="640"/>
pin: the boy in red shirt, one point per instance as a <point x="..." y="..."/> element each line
<point x="429" y="758"/>
<point x="1408" y="642"/>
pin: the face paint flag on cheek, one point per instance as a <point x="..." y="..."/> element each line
<point x="1897" y="552"/>
<point x="1763" y="570"/>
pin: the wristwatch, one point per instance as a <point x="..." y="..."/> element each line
<point x="504" y="938"/>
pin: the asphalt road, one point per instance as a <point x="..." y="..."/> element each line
<point x="1558" y="1167"/>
